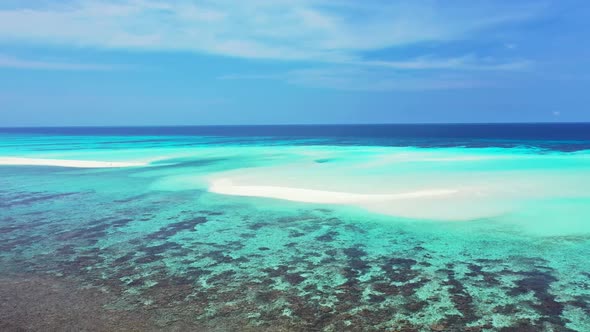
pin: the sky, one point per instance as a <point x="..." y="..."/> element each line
<point x="203" y="62"/>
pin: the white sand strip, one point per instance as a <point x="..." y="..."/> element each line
<point x="66" y="163"/>
<point x="226" y="187"/>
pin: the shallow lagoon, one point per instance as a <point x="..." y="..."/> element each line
<point x="158" y="250"/>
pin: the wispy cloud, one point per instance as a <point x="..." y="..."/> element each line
<point x="319" y="30"/>
<point x="364" y="79"/>
<point x="467" y="62"/>
<point x="251" y="76"/>
<point x="19" y="63"/>
<point x="422" y="73"/>
<point x="368" y="80"/>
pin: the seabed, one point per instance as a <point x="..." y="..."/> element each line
<point x="148" y="245"/>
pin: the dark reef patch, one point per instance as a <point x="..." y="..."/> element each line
<point x="293" y="278"/>
<point x="160" y="249"/>
<point x="258" y="225"/>
<point x="175" y="228"/>
<point x="400" y="269"/>
<point x="539" y="282"/>
<point x="461" y="298"/>
<point x="327" y="237"/>
<point x="33" y="198"/>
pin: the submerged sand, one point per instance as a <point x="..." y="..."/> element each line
<point x="432" y="203"/>
<point x="17" y="161"/>
<point x="448" y="185"/>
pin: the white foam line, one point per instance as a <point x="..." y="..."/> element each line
<point x="225" y="186"/>
<point x="66" y="163"/>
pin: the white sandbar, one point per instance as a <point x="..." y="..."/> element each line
<point x="66" y="163"/>
<point x="226" y="187"/>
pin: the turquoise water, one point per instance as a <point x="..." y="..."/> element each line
<point x="508" y="250"/>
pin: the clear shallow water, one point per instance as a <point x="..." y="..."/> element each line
<point x="509" y="253"/>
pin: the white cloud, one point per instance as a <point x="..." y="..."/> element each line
<point x="366" y="80"/>
<point x="319" y="30"/>
<point x="362" y="78"/>
<point x="14" y="62"/>
<point x="467" y="62"/>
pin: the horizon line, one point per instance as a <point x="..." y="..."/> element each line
<point x="298" y="124"/>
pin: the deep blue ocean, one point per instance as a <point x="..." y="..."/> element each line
<point x="559" y="136"/>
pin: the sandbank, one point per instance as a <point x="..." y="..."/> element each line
<point x="66" y="163"/>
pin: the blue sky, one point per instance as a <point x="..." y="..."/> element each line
<point x="151" y="62"/>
